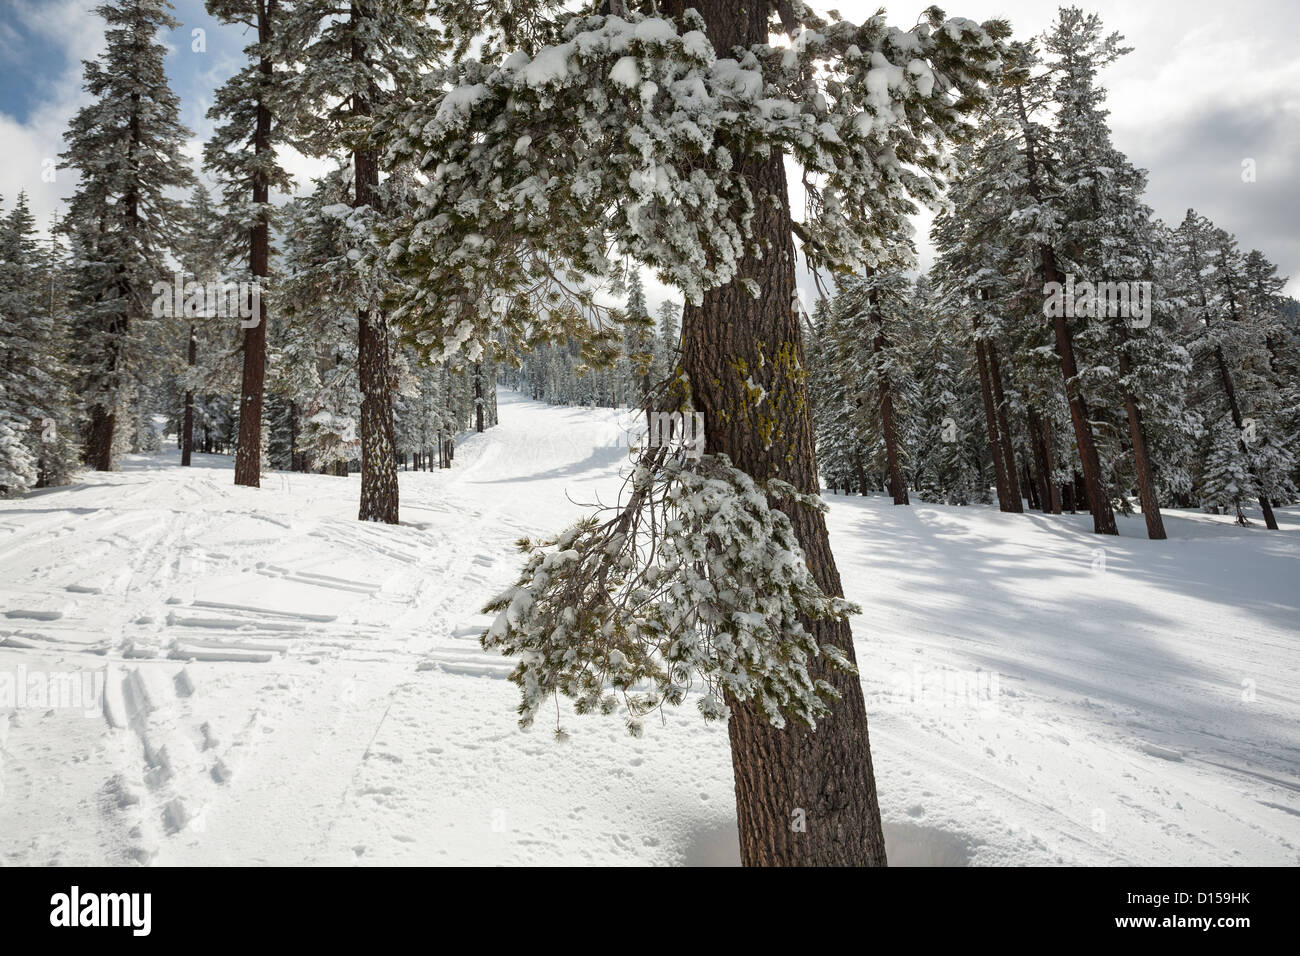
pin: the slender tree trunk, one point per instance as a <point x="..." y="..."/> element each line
<point x="1230" y="390"/>
<point x="1004" y="429"/>
<point x="248" y="453"/>
<point x="860" y="472"/>
<point x="1049" y="449"/>
<point x="1030" y="483"/>
<point x="802" y="797"/>
<point x="102" y="427"/>
<point x="1142" y="460"/>
<point x="1042" y="468"/>
<point x="294" y="464"/>
<point x="379" y="492"/>
<point x="187" y="427"/>
<point x="478" y="396"/>
<point x="1103" y="516"/>
<point x="991" y="425"/>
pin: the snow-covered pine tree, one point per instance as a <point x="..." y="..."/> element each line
<point x="314" y="372"/>
<point x="35" y="380"/>
<point x="667" y="345"/>
<point x="949" y="450"/>
<point x="127" y="146"/>
<point x="978" y="276"/>
<point x="1107" y="236"/>
<point x="19" y="339"/>
<point x="1032" y="154"/>
<point x="638" y="346"/>
<point x="242" y="153"/>
<point x="661" y="135"/>
<point x="1225" y="477"/>
<point x="209" y="342"/>
<point x="870" y="346"/>
<point x="1277" y="319"/>
<point x="837" y="433"/>
<point x="347" y="63"/>
<point x="1227" y="346"/>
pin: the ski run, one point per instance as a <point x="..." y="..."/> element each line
<point x="197" y="673"/>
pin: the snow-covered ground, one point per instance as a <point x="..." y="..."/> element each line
<point x="283" y="684"/>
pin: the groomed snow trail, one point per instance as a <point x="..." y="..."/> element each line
<point x="217" y="675"/>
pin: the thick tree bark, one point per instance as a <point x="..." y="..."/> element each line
<point x="379" y="498"/>
<point x="897" y="483"/>
<point x="187" y="426"/>
<point x="379" y="493"/>
<point x="802" y="797"/>
<point x="248" y="453"/>
<point x="100" y="450"/>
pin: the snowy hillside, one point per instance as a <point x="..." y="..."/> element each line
<point x="284" y="684"/>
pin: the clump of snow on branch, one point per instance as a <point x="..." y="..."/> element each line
<point x="695" y="581"/>
<point x="545" y="172"/>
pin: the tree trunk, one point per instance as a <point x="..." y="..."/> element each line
<point x="1103" y="517"/>
<point x="102" y="425"/>
<point x="860" y="472"/>
<point x="1049" y="448"/>
<point x="248" y="453"/>
<point x="1141" y="459"/>
<point x="1004" y="429"/>
<point x="293" y="439"/>
<point x="1229" y="390"/>
<point x="187" y="427"/>
<point x="478" y="396"/>
<point x="1048" y="499"/>
<point x="1030" y="484"/>
<point x="802" y="797"/>
<point x="379" y="497"/>
<point x="991" y="425"/>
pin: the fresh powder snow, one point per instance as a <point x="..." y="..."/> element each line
<point x="263" y="679"/>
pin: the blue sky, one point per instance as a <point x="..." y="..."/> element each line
<point x="1210" y="84"/>
<point x="43" y="41"/>
<point x="42" y="46"/>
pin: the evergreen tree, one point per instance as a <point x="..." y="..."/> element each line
<point x="661" y="136"/>
<point x="242" y="153"/>
<point x="127" y="146"/>
<point x="1107" y="236"/>
<point x="1228" y="346"/>
<point x="35" y="381"/>
<point x="346" y="67"/>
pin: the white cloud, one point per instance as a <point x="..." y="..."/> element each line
<point x="31" y="145"/>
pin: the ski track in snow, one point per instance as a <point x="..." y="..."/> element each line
<point x="283" y="684"/>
